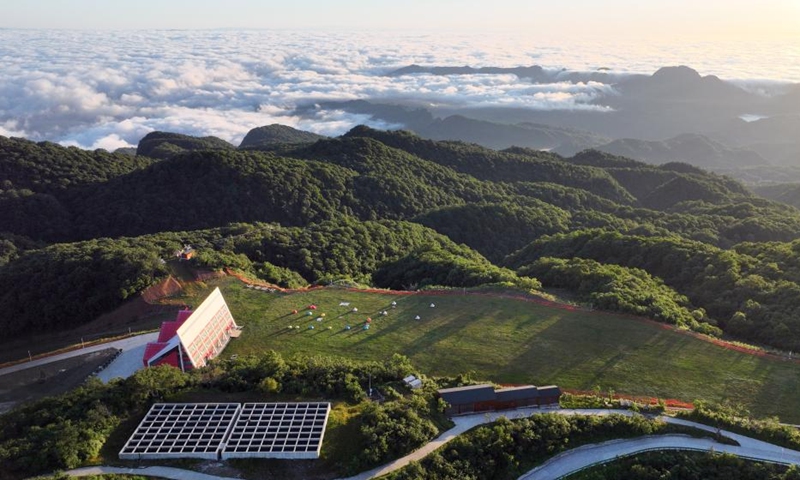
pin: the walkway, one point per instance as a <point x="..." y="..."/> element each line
<point x="125" y="344"/>
<point x="558" y="466"/>
<point x="162" y="472"/>
<point x="586" y="456"/>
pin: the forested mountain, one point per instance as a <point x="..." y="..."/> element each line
<point x="276" y="134"/>
<point x="164" y="145"/>
<point x="82" y="231"/>
<point x="47" y="167"/>
<point x="788" y="193"/>
<point x="695" y="149"/>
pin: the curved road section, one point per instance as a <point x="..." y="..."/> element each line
<point x="161" y="472"/>
<point x="563" y="464"/>
<point x="587" y="456"/>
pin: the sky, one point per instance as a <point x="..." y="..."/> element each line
<point x="104" y="73"/>
<point x="645" y="19"/>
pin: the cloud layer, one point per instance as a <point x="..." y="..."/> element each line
<point x="109" y="89"/>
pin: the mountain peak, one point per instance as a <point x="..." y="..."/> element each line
<point x="276" y="134"/>
<point x="679" y="73"/>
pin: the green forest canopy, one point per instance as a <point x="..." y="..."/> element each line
<point x="354" y="207"/>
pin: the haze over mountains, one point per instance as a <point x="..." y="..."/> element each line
<point x="673" y="115"/>
<point x="221" y="83"/>
<point x="494" y="91"/>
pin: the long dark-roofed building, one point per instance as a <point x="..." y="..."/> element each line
<point x="484" y="398"/>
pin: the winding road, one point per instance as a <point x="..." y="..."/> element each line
<point x="562" y="464"/>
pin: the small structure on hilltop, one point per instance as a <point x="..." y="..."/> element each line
<point x="412" y="382"/>
<point x="194" y="337"/>
<point x="186" y="253"/>
<point x="484" y="398"/>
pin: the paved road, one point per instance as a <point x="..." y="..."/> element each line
<point x="125" y="365"/>
<point x="163" y="472"/>
<point x="566" y="462"/>
<point x="582" y="457"/>
<point x="124" y="344"/>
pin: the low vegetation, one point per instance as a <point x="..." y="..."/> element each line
<point x="74" y="429"/>
<point x="737" y="419"/>
<point x="670" y="465"/>
<point x="508" y="448"/>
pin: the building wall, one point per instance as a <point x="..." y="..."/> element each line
<point x="207" y="331"/>
<point x="477" y="407"/>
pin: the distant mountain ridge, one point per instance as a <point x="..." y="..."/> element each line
<point x="535" y="73"/>
<point x="690" y="148"/>
<point x="497" y="135"/>
<point x="673" y="101"/>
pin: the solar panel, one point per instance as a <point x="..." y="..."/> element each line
<point x="229" y="430"/>
<point x="278" y="430"/>
<point x="181" y="430"/>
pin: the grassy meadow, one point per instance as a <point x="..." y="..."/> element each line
<point x="509" y="341"/>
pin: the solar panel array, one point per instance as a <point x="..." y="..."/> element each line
<point x="229" y="430"/>
<point x="278" y="430"/>
<point x="181" y="430"/>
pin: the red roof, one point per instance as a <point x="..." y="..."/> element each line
<point x="151" y="349"/>
<point x="170" y="359"/>
<point x="183" y="315"/>
<point x="168" y="329"/>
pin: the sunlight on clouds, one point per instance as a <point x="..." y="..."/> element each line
<point x="109" y="89"/>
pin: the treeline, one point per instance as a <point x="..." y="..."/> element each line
<point x="437" y="266"/>
<point x="505" y="166"/>
<point x="65" y="285"/>
<point x="47" y="167"/>
<point x="737" y="419"/>
<point x="69" y="430"/>
<point x="676" y="465"/>
<point x="751" y="298"/>
<point x="368" y="174"/>
<point x="621" y="289"/>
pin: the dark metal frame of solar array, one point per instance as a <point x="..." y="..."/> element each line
<point x="181" y="430"/>
<point x="278" y="430"/>
<point x="229" y="430"/>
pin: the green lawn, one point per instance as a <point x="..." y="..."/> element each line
<point x="512" y="341"/>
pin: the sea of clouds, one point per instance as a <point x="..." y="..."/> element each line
<point x="107" y="89"/>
